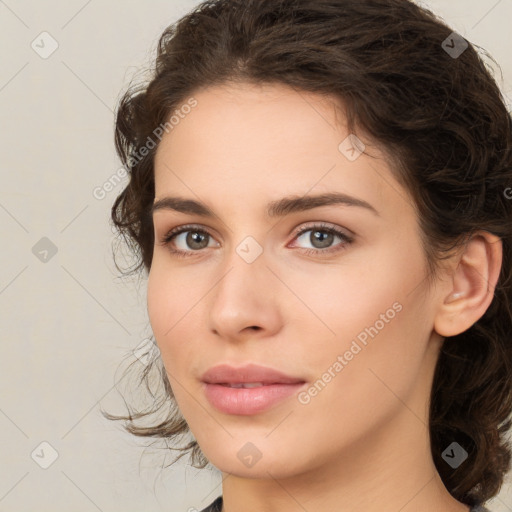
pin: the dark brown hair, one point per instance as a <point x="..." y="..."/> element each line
<point x="441" y="118"/>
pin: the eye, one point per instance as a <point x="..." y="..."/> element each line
<point x="321" y="237"/>
<point x="193" y="239"/>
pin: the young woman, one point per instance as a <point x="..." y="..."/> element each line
<point x="320" y="195"/>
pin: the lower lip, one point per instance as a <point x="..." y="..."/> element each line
<point x="246" y="401"/>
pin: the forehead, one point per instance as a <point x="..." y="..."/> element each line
<point x="269" y="139"/>
<point x="248" y="116"/>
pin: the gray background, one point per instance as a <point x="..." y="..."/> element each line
<point x="67" y="321"/>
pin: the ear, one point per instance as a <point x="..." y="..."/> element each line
<point x="470" y="289"/>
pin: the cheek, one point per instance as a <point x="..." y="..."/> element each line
<point x="340" y="302"/>
<point x="174" y="321"/>
<point x="171" y="295"/>
<point x="372" y="314"/>
<point x="367" y="373"/>
<point x="157" y="301"/>
<point x="385" y="378"/>
<point x="174" y="310"/>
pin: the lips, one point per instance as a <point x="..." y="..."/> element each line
<point x="248" y="374"/>
<point x="250" y="389"/>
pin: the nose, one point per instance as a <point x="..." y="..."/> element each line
<point x="245" y="302"/>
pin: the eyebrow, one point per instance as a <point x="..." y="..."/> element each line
<point x="278" y="208"/>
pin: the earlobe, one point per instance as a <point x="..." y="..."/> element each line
<point x="470" y="290"/>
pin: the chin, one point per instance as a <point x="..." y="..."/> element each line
<point x="248" y="459"/>
<point x="263" y="469"/>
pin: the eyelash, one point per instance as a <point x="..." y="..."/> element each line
<point x="346" y="240"/>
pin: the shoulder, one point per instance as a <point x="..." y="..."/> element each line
<point x="216" y="506"/>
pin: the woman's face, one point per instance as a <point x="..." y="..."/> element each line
<point x="348" y="315"/>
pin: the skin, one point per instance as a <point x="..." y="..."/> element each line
<point x="362" y="442"/>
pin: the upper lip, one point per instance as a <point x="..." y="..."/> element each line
<point x="226" y="374"/>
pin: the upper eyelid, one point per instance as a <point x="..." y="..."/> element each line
<point x="321" y="225"/>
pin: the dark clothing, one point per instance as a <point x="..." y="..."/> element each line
<point x="216" y="506"/>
